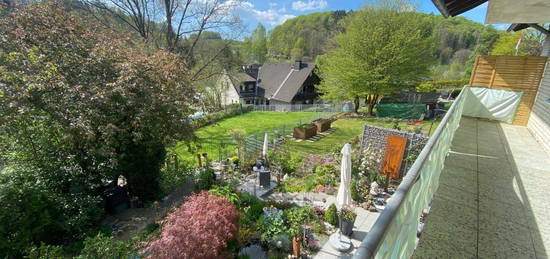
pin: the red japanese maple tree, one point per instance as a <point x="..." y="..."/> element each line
<point x="199" y="228"/>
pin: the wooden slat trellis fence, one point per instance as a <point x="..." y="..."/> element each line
<point x="516" y="73"/>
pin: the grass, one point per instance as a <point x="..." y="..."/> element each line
<point x="254" y="122"/>
<point x="258" y="122"/>
<point x="346" y="130"/>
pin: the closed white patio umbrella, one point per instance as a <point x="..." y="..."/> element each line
<point x="265" y="147"/>
<point x="343" y="199"/>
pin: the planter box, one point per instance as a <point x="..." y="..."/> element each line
<point x="322" y="125"/>
<point x="346" y="226"/>
<point x="305" y="131"/>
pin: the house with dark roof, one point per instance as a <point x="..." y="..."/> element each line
<point x="277" y="83"/>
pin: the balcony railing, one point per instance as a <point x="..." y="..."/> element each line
<point x="395" y="231"/>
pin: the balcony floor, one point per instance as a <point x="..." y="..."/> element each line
<point x="493" y="199"/>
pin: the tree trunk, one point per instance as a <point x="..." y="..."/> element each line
<point x="169" y="29"/>
<point x="356" y="103"/>
<point x="370" y="100"/>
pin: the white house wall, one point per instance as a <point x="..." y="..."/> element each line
<point x="230" y="94"/>
<point x="539" y="121"/>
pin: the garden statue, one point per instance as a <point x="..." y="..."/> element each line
<point x="374" y="188"/>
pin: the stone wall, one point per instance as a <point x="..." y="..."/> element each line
<point x="376" y="138"/>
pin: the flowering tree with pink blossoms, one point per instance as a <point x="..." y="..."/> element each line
<point x="199" y="228"/>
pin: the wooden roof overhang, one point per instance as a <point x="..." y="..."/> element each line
<point x="456" y="7"/>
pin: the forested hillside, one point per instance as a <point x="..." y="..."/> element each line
<point x="456" y="40"/>
<point x="305" y="36"/>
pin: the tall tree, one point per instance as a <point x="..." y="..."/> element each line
<point x="525" y="43"/>
<point x="177" y="26"/>
<point x="259" y="44"/>
<point x="299" y="49"/>
<point x="381" y="50"/>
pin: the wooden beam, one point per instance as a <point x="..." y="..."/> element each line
<point x="539" y="28"/>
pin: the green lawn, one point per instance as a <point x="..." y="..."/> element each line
<point x="347" y="130"/>
<point x="254" y="122"/>
<point x="258" y="122"/>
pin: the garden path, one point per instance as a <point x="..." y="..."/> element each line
<point x="132" y="221"/>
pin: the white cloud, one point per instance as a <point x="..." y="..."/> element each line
<point x="272" y="4"/>
<point x="309" y="5"/>
<point x="270" y="16"/>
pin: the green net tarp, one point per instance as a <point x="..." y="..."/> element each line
<point x="400" y="110"/>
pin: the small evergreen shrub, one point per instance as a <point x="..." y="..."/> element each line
<point x="331" y="215"/>
<point x="102" y="246"/>
<point x="205" y="179"/>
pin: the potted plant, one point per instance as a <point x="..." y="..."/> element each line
<point x="304" y="131"/>
<point x="347" y="219"/>
<point x="322" y="125"/>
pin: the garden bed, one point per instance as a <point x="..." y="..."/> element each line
<point x="305" y="131"/>
<point x="322" y="125"/>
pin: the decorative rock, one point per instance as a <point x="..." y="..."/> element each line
<point x="253" y="251"/>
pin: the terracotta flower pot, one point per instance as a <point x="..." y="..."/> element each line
<point x="296" y="246"/>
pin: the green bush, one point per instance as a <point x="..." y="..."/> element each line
<point x="326" y="169"/>
<point x="288" y="162"/>
<point x="270" y="224"/>
<point x="45" y="252"/>
<point x="205" y="179"/>
<point x="319" y="227"/>
<point x="34" y="212"/>
<point x="227" y="192"/>
<point x="331" y="215"/>
<point x="102" y="246"/>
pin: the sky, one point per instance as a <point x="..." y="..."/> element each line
<point x="273" y="12"/>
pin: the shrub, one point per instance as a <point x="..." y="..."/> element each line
<point x="326" y="169"/>
<point x="347" y="214"/>
<point x="235" y="160"/>
<point x="246" y="232"/>
<point x="271" y="224"/>
<point x="33" y="212"/>
<point x="102" y="246"/>
<point x="331" y="215"/>
<point x="228" y="193"/>
<point x="319" y="227"/>
<point x="200" y="228"/>
<point x="297" y="216"/>
<point x="45" y="252"/>
<point x="205" y="179"/>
